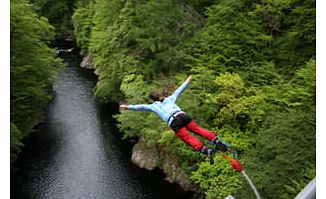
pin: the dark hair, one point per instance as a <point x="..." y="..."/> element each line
<point x="156" y="96"/>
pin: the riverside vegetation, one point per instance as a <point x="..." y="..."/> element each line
<point x="33" y="65"/>
<point x="253" y="67"/>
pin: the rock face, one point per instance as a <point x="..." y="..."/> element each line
<point x="97" y="72"/>
<point x="175" y="174"/>
<point x="87" y="62"/>
<point x="146" y="157"/>
<point x="143" y="156"/>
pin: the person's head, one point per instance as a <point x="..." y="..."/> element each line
<point x="156" y="96"/>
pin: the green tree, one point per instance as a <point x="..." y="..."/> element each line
<point x="253" y="82"/>
<point x="83" y="23"/>
<point x="124" y="40"/>
<point x="59" y="13"/>
<point x="249" y="38"/>
<point x="285" y="146"/>
<point x="292" y="27"/>
<point x="161" y="38"/>
<point x="109" y="48"/>
<point x="32" y="68"/>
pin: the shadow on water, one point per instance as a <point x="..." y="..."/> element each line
<point x="78" y="151"/>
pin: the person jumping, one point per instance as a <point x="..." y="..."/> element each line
<point x="178" y="120"/>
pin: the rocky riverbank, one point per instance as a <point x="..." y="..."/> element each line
<point x="87" y="63"/>
<point x="151" y="157"/>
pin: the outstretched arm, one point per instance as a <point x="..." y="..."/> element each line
<point x="181" y="88"/>
<point x="138" y="107"/>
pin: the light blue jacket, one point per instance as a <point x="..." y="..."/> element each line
<point x="164" y="109"/>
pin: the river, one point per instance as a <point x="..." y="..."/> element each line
<point x="78" y="151"/>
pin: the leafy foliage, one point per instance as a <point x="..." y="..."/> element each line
<point x="15" y="142"/>
<point x="160" y="38"/>
<point x="32" y="68"/>
<point x="218" y="180"/>
<point x="82" y="20"/>
<point x="59" y="13"/>
<point x="253" y="67"/>
<point x="285" y="144"/>
<point x="292" y="25"/>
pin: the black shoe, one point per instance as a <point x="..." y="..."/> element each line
<point x="209" y="153"/>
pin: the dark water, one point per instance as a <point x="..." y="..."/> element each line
<point x="78" y="152"/>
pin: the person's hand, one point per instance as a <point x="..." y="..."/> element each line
<point x="123" y="106"/>
<point x="189" y="79"/>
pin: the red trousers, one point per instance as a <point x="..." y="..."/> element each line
<point x="184" y="135"/>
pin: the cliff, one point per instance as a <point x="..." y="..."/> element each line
<point x="87" y="63"/>
<point x="148" y="157"/>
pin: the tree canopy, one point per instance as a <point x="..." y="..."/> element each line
<point x="32" y="68"/>
<point x="253" y="67"/>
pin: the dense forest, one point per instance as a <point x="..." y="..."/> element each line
<point x="33" y="65"/>
<point x="253" y="67"/>
<point x="254" y="79"/>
